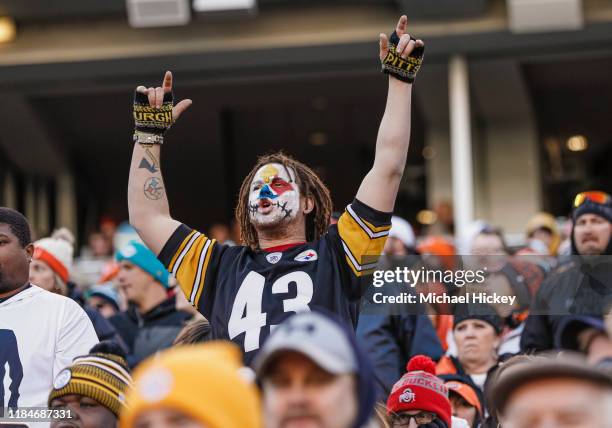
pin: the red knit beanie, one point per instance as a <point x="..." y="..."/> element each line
<point x="420" y="389"/>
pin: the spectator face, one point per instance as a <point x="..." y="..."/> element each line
<point x="298" y="393"/>
<point x="42" y="275"/>
<point x="86" y="413"/>
<point x="488" y="244"/>
<point x="275" y="197"/>
<point x="558" y="403"/>
<point x="220" y="232"/>
<point x="133" y="281"/>
<point x="489" y="251"/>
<point x="166" y="418"/>
<point x="476" y="341"/>
<point x="462" y="409"/>
<point x="14" y="260"/>
<point x="592" y="234"/>
<point x="543" y="235"/>
<point x="395" y="247"/>
<point x="100" y="245"/>
<point x="101" y="305"/>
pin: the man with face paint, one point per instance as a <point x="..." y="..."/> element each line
<point x="292" y="260"/>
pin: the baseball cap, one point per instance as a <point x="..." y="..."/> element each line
<point x="465" y="388"/>
<point x="571" y="326"/>
<point x="529" y="369"/>
<point x="313" y="335"/>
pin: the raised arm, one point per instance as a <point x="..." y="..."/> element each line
<point x="380" y="186"/>
<point x="148" y="205"/>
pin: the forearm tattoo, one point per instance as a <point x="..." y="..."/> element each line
<point x="153" y="188"/>
<point x="151" y="164"/>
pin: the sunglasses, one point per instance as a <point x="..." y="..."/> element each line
<point x="594" y="196"/>
<point x="400" y="420"/>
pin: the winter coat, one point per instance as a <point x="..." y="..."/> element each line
<point x="145" y="334"/>
<point x="579" y="288"/>
<point x="391" y="340"/>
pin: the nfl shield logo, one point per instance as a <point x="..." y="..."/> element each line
<point x="274" y="257"/>
<point x="306" y="256"/>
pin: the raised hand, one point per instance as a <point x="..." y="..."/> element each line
<point x="154" y="109"/>
<point x="405" y="46"/>
<point x="401" y="55"/>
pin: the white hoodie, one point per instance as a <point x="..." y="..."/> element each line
<point x="49" y="330"/>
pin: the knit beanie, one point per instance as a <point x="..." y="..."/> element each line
<point x="402" y="230"/>
<point x="482" y="312"/>
<point x="102" y="375"/>
<point x="590" y="207"/>
<point x="420" y="389"/>
<point x="106" y="292"/>
<point x="141" y="256"/>
<point x="202" y="381"/>
<point x="57" y="252"/>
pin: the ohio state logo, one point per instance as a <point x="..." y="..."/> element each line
<point x="407" y="396"/>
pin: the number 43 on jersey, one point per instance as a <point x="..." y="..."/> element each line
<point x="247" y="317"/>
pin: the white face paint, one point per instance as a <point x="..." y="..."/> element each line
<point x="274" y="195"/>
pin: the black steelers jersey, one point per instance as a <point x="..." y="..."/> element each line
<point x="245" y="294"/>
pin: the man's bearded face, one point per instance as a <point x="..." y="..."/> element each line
<point x="274" y="197"/>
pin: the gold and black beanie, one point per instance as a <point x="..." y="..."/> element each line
<point x="103" y="377"/>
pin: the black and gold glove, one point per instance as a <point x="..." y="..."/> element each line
<point x="152" y="120"/>
<point x="403" y="69"/>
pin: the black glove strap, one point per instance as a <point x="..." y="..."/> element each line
<point x="403" y="69"/>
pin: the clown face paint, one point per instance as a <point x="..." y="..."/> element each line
<point x="274" y="195"/>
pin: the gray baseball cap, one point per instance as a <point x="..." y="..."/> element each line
<point x="313" y="335"/>
<point x="531" y="368"/>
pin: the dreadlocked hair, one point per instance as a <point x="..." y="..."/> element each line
<point x="310" y="185"/>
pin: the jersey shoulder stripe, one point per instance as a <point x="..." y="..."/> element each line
<point x="363" y="232"/>
<point x="183" y="249"/>
<point x="358" y="268"/>
<point x="371" y="230"/>
<point x="199" y="279"/>
<point x="187" y="255"/>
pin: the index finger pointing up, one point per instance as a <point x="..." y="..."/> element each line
<point x="400" y="29"/>
<point x="167" y="85"/>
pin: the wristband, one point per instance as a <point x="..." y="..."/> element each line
<point x="148" y="139"/>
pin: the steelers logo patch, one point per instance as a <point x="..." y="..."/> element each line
<point x="155" y="385"/>
<point x="62" y="379"/>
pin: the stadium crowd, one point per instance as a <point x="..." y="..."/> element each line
<point x="164" y="326"/>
